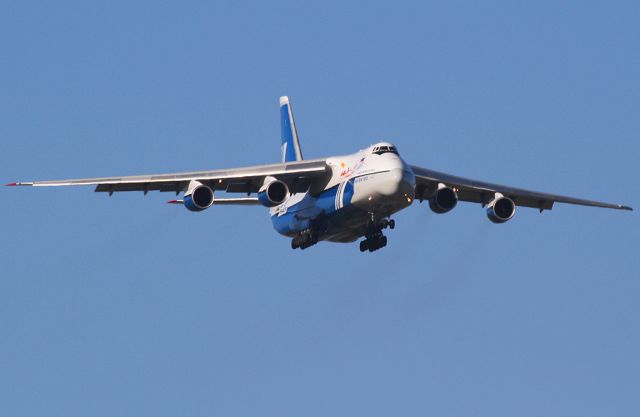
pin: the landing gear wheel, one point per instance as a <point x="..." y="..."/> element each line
<point x="374" y="239"/>
<point x="304" y="239"/>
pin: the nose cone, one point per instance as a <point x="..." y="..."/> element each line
<point x="399" y="183"/>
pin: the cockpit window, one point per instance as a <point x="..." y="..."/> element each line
<point x="379" y="150"/>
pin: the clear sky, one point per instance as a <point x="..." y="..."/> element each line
<point x="126" y="306"/>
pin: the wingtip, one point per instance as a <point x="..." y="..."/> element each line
<point x="284" y="100"/>
<point x="14" y="184"/>
<point x="626" y="208"/>
<point x="175" y="202"/>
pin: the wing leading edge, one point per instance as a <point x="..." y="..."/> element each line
<point x="483" y="192"/>
<point x="246" y="179"/>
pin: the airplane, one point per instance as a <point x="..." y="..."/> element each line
<point x="335" y="199"/>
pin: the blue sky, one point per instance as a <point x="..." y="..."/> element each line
<point x="125" y="306"/>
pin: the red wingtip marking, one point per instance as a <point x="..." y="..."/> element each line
<point x="173" y="202"/>
<point x="12" y="184"/>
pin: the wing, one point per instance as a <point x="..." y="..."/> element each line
<point x="483" y="192"/>
<point x="247" y="179"/>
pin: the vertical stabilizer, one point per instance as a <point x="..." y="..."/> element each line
<point x="288" y="133"/>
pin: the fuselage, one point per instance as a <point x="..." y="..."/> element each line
<point x="366" y="186"/>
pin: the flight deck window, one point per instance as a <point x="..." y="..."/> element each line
<point x="379" y="150"/>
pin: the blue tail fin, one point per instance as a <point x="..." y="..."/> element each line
<point x="288" y="133"/>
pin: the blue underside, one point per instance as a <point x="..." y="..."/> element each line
<point x="319" y="212"/>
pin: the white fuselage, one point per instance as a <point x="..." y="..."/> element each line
<point x="363" y="187"/>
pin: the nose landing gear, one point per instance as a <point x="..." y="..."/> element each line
<point x="374" y="238"/>
<point x="391" y="224"/>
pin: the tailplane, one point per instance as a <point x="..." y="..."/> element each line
<point x="288" y="133"/>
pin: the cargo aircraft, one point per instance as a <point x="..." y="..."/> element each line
<point x="336" y="199"/>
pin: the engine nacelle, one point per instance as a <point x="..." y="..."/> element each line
<point x="199" y="197"/>
<point x="443" y="200"/>
<point x="501" y="209"/>
<point x="273" y="193"/>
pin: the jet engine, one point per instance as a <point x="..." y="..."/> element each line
<point x="501" y="209"/>
<point x="199" y="197"/>
<point x="273" y="193"/>
<point x="443" y="199"/>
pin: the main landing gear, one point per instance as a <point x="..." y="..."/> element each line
<point x="304" y="239"/>
<point x="375" y="239"/>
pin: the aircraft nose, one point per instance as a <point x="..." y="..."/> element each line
<point x="399" y="183"/>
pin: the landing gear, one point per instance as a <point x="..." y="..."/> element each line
<point x="390" y="223"/>
<point x="304" y="239"/>
<point x="375" y="239"/>
<point x="373" y="243"/>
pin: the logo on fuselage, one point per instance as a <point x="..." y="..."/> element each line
<point x="350" y="170"/>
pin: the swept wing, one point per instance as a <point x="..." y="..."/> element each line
<point x="475" y="191"/>
<point x="246" y="179"/>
